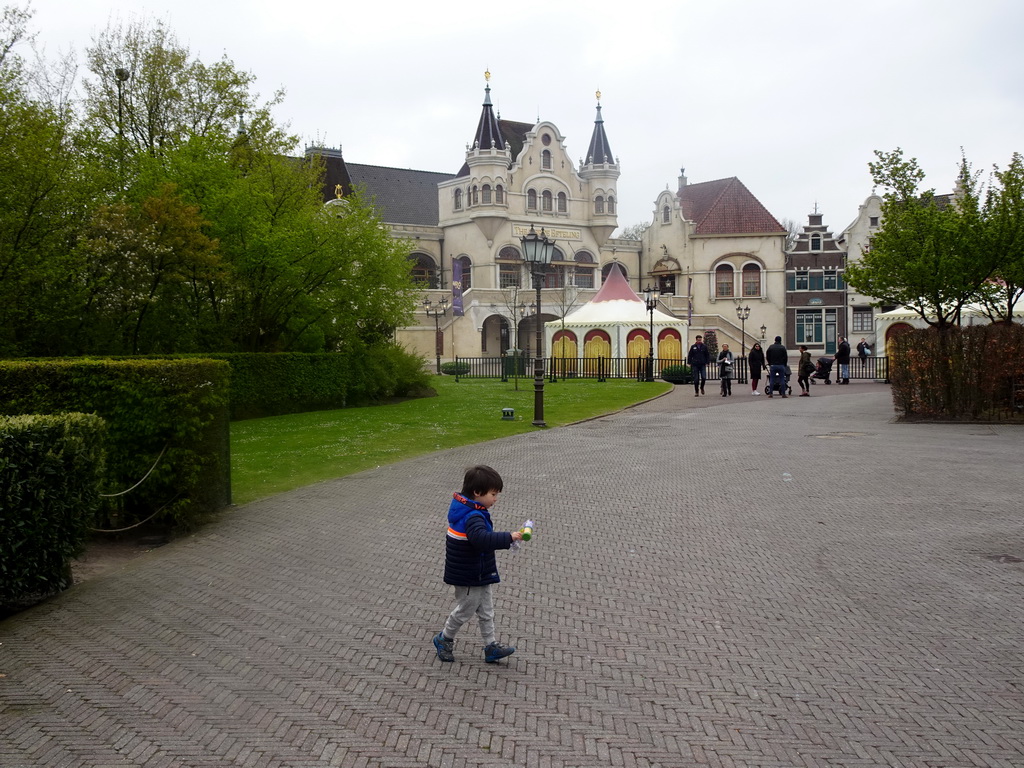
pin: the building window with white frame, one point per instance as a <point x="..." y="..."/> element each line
<point x="863" y="320"/>
<point x="486" y="194"/>
<point x="815" y="242"/>
<point x="809" y="326"/>
<point x="545" y="160"/>
<point x="802" y="280"/>
<point x="563" y="206"/>
<point x="666" y="215"/>
<point x="545" y="200"/>
<point x="611" y="204"/>
<point x="724" y="281"/>
<point x="599" y="204"/>
<point x="751" y="280"/>
<point x="499" y="195"/>
<point x="531" y="200"/>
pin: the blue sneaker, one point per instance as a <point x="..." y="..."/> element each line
<point x="445" y="647"/>
<point x="496" y="651"/>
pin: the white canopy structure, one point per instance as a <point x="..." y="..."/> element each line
<point x="615" y="323"/>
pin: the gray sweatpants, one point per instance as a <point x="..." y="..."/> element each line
<point x="470" y="601"/>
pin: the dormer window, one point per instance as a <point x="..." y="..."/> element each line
<point x="545" y="160"/>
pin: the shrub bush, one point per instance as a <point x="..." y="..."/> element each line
<point x="50" y="470"/>
<point x="177" y="408"/>
<point x="676" y="374"/>
<point x="455" y="369"/>
<point x="961" y="374"/>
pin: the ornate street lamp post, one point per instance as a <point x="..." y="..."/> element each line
<point x="537" y="251"/>
<point x="436" y="311"/>
<point x="764" y="331"/>
<point x="743" y="313"/>
<point x="651" y="296"/>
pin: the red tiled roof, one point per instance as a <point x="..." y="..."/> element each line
<point x="726" y="207"/>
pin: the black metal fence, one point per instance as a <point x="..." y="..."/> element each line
<point x="601" y="368"/>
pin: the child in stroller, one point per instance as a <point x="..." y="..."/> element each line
<point x="772" y="387"/>
<point x="823" y="370"/>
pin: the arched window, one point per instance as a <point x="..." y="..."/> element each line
<point x="458" y="199"/>
<point x="510" y="273"/>
<point x="751" y="280"/>
<point x="499" y="195"/>
<point x="467" y="272"/>
<point x="666" y="215"/>
<point x="599" y="204"/>
<point x="531" y="200"/>
<point x="487" y="194"/>
<point x="562" y="202"/>
<point x="424" y="270"/>
<point x="611" y="204"/>
<point x="815" y="242"/>
<point x="724" y="281"/>
<point x="545" y="160"/>
<point x="545" y="200"/>
<point x="584" y="273"/>
<point x="476" y="195"/>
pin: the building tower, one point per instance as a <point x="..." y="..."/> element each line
<point x="600" y="170"/>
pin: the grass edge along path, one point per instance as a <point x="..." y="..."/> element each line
<point x="281" y="453"/>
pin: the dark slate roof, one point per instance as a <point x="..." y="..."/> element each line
<point x="400" y="195"/>
<point x="514" y="133"/>
<point x="726" y="207"/>
<point x="488" y="132"/>
<point x="600" y="151"/>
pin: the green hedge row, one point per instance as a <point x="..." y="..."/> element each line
<point x="50" y="472"/>
<point x="959" y="374"/>
<point x="168" y="418"/>
<point x="271" y="384"/>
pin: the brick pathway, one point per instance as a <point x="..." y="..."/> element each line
<point x="722" y="582"/>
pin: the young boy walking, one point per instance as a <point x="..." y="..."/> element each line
<point x="469" y="563"/>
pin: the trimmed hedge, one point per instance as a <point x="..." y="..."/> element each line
<point x="177" y="407"/>
<point x="50" y="471"/>
<point x="271" y="384"/>
<point x="961" y="374"/>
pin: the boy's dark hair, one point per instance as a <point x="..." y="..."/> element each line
<point x="480" y="480"/>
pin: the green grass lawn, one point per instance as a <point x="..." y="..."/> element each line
<point x="280" y="453"/>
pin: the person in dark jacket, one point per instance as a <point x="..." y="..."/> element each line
<point x="804" y="369"/>
<point x="842" y="357"/>
<point x="755" y="363"/>
<point x="777" y="357"/>
<point x="469" y="563"/>
<point x="725" y="360"/>
<point x="698" y="358"/>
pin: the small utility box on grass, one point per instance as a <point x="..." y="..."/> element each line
<point x="508" y="414"/>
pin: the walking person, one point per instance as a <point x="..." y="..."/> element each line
<point x="755" y="364"/>
<point x="803" y="372"/>
<point x="469" y="563"/>
<point x="698" y="358"/>
<point x="842" y="357"/>
<point x="725" y="360"/>
<point x="777" y="357"/>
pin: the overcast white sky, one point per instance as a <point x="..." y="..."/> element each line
<point x="790" y="96"/>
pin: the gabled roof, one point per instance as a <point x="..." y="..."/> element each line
<point x="726" y="207"/>
<point x="617" y="304"/>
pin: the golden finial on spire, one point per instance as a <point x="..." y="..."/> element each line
<point x="487" y="75"/>
<point x="598" y="94"/>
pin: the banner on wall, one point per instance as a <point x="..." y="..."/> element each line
<point x="457" y="288"/>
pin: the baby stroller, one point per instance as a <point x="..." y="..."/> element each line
<point x="823" y="370"/>
<point x="770" y="387"/>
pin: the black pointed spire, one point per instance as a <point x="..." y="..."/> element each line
<point x="488" y="134"/>
<point x="600" y="151"/>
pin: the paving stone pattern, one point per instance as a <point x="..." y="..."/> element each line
<point x="713" y="582"/>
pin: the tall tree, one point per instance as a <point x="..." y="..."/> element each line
<point x="1004" y="214"/>
<point x="930" y="254"/>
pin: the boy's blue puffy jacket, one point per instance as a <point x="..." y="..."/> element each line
<point x="471" y="541"/>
